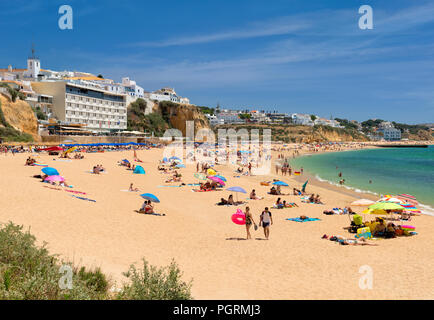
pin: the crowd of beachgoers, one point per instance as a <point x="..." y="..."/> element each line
<point x="199" y="200"/>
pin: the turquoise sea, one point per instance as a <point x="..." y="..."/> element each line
<point x="391" y="170"/>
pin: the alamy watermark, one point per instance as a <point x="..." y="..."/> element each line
<point x="65" y="281"/>
<point x="66" y="20"/>
<point x="230" y="147"/>
<point x="366" y="21"/>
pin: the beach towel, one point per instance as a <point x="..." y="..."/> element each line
<point x="58" y="189"/>
<point x="198" y="190"/>
<point x="151" y="214"/>
<point x="303" y="220"/>
<point x="61" y="160"/>
<point x="76" y="192"/>
<point x="81" y="198"/>
<point x="169" y="186"/>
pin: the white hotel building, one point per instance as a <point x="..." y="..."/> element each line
<point x="78" y="101"/>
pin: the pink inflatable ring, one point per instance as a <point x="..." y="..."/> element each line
<point x="239" y="218"/>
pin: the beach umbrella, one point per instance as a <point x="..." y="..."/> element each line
<point x="391" y="199"/>
<point x="54" y="178"/>
<point x="211" y="172"/>
<point x="180" y="165"/>
<point x="409" y="198"/>
<point x="381" y="207"/>
<point x="362" y="203"/>
<point x="220" y="177"/>
<point x="303" y="188"/>
<point x="70" y="150"/>
<point x="139" y="170"/>
<point x="280" y="183"/>
<point x="200" y="176"/>
<point x="409" y="208"/>
<point x="50" y="171"/>
<point x="237" y="190"/>
<point x="125" y="160"/>
<point x="218" y="180"/>
<point x="151" y="197"/>
<point x="174" y="158"/>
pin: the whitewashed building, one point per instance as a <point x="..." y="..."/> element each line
<point x="302" y="119"/>
<point x="78" y="101"/>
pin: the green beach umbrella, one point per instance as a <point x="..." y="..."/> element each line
<point x="303" y="188"/>
<point x="381" y="207"/>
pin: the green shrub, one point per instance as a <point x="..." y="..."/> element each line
<point x="152" y="283"/>
<point x="30" y="272"/>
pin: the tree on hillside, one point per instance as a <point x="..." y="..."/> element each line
<point x="138" y="107"/>
<point x="313" y="117"/>
<point x="100" y="76"/>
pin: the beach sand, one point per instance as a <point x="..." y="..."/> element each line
<point x="294" y="264"/>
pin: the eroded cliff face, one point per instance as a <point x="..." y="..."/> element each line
<point x="178" y="114"/>
<point x="323" y="135"/>
<point x="20" y="115"/>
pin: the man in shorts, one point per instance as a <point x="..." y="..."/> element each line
<point x="266" y="220"/>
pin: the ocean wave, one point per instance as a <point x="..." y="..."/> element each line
<point x="425" y="209"/>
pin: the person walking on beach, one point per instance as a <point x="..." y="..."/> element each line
<point x="265" y="221"/>
<point x="249" y="222"/>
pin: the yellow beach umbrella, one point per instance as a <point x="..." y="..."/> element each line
<point x="70" y="150"/>
<point x="383" y="208"/>
<point x="211" y="172"/>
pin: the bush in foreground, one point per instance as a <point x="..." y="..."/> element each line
<point x="152" y="283"/>
<point x="29" y="272"/>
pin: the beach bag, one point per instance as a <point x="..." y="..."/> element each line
<point x="358" y="220"/>
<point x="364" y="233"/>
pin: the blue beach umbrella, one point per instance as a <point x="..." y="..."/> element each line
<point x="236" y="189"/>
<point x="221" y="177"/>
<point x="174" y="158"/>
<point x="50" y="171"/>
<point x="280" y="183"/>
<point x="180" y="165"/>
<point x="150" y="196"/>
<point x="125" y="160"/>
<point x="139" y="170"/>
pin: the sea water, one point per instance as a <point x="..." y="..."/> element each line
<point x="380" y="171"/>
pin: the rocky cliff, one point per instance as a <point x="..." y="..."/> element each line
<point x="20" y="116"/>
<point x="177" y="115"/>
<point x="305" y="134"/>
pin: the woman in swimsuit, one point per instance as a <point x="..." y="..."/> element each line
<point x="249" y="222"/>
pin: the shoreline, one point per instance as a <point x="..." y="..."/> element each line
<point x="201" y="237"/>
<point x="349" y="190"/>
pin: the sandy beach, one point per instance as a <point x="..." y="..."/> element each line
<point x="295" y="263"/>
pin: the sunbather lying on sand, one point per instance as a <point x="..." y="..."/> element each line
<point x="352" y="242"/>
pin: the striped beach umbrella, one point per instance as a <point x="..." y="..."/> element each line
<point x="409" y="208"/>
<point x="391" y="199"/>
<point x="408" y="198"/>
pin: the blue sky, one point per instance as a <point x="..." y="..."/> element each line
<point x="291" y="56"/>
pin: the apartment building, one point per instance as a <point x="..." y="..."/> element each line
<point x="78" y="101"/>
